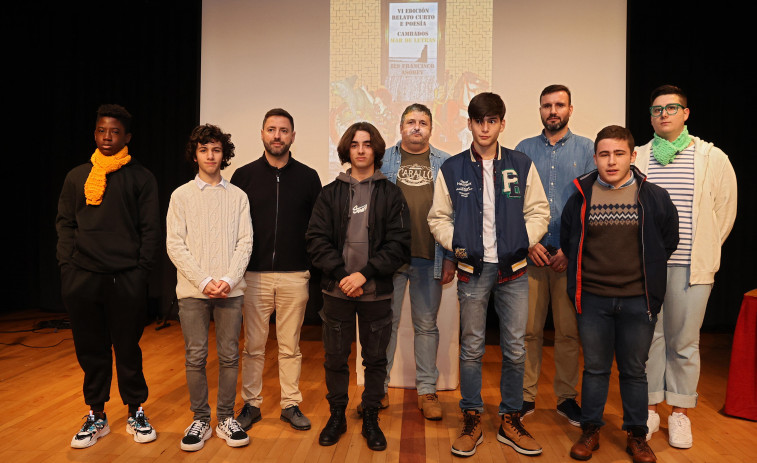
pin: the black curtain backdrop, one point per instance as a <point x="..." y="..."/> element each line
<point x="65" y="60"/>
<point x="702" y="48"/>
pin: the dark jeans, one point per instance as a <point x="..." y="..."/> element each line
<point x="107" y="311"/>
<point x="619" y="326"/>
<point x="374" y="320"/>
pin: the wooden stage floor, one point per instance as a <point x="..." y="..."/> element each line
<point x="42" y="408"/>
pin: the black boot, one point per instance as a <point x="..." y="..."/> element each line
<point x="335" y="427"/>
<point x="371" y="431"/>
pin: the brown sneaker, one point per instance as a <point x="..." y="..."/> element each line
<point x="430" y="406"/>
<point x="384" y="404"/>
<point x="639" y="450"/>
<point x="513" y="433"/>
<point x="470" y="436"/>
<point x="586" y="444"/>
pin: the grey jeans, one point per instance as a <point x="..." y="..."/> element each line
<point x="195" y="324"/>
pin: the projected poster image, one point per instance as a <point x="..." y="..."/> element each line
<point x="386" y="55"/>
<point x="410" y="62"/>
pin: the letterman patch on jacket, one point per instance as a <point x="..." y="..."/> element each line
<point x="510" y="187"/>
<point x="519" y="265"/>
<point x="461" y="253"/>
<point x="465" y="267"/>
<point x="463" y="188"/>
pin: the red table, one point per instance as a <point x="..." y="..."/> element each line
<point x="741" y="395"/>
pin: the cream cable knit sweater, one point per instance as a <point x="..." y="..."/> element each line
<point x="208" y="234"/>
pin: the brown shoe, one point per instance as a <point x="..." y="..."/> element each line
<point x="384" y="404"/>
<point x="639" y="450"/>
<point x="586" y="444"/>
<point x="513" y="433"/>
<point x="470" y="436"/>
<point x="430" y="406"/>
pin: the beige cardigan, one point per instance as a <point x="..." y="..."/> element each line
<point x="714" y="206"/>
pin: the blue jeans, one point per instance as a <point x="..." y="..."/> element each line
<point x="425" y="296"/>
<point x="618" y="326"/>
<point x="511" y="304"/>
<point x="194" y="314"/>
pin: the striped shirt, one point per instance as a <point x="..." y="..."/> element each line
<point x="678" y="178"/>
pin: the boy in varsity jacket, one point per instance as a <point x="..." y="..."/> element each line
<point x="489" y="208"/>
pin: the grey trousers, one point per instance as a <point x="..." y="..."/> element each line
<point x="195" y="324"/>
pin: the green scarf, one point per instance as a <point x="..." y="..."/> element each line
<point x="665" y="151"/>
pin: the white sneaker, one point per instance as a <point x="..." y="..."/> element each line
<point x="679" y="428"/>
<point x="230" y="430"/>
<point x="653" y="423"/>
<point x="139" y="426"/>
<point x="92" y="430"/>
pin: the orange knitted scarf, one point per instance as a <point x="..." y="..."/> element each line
<point x="94" y="187"/>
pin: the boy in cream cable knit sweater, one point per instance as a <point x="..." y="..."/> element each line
<point x="209" y="239"/>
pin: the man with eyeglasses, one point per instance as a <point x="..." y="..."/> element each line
<point x="702" y="185"/>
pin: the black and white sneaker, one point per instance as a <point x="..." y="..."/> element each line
<point x="195" y="436"/>
<point x="139" y="426"/>
<point x="571" y="411"/>
<point x="230" y="430"/>
<point x="93" y="429"/>
<point x="528" y="408"/>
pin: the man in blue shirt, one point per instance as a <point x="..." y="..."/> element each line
<point x="559" y="156"/>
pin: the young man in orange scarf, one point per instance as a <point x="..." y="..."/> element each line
<point x="108" y="232"/>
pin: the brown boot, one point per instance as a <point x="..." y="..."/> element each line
<point x="470" y="436"/>
<point x="586" y="444"/>
<point x="639" y="450"/>
<point x="430" y="406"/>
<point x="512" y="433"/>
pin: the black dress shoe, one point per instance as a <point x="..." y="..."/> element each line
<point x="371" y="431"/>
<point x="335" y="427"/>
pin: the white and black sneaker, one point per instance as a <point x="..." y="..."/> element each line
<point x="230" y="430"/>
<point x="195" y="436"/>
<point x="139" y="426"/>
<point x="93" y="429"/>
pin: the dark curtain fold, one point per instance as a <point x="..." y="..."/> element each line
<point x="65" y="60"/>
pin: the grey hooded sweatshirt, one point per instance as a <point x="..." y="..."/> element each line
<point x="356" y="245"/>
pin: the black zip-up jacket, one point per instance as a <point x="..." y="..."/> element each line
<point x="388" y="234"/>
<point x="658" y="236"/>
<point x="280" y="204"/>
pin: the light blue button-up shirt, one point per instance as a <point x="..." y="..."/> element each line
<point x="558" y="165"/>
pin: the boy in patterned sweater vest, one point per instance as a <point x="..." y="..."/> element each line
<point x="618" y="231"/>
<point x="209" y="240"/>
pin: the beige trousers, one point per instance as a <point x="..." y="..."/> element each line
<point x="287" y="294"/>
<point x="545" y="284"/>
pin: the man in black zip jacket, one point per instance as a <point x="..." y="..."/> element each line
<point x="358" y="236"/>
<point x="618" y="231"/>
<point x="282" y="192"/>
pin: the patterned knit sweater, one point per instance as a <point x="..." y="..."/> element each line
<point x="612" y="258"/>
<point x="208" y="234"/>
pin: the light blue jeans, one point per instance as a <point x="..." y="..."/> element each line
<point x="194" y="314"/>
<point x="511" y="305"/>
<point x="674" y="363"/>
<point x="425" y="296"/>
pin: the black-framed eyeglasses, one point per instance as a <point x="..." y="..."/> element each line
<point x="671" y="109"/>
